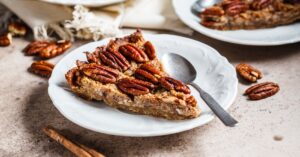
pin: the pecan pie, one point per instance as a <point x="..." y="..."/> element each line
<point x="250" y="14"/>
<point x="127" y="75"/>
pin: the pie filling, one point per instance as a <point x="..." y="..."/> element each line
<point x="250" y="14"/>
<point x="127" y="75"/>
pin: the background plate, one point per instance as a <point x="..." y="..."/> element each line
<point x="272" y="36"/>
<point x="89" y="3"/>
<point x="215" y="75"/>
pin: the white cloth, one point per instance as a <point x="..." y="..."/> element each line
<point x="95" y="23"/>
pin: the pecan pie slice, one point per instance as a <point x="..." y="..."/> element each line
<point x="126" y="74"/>
<point x="250" y="14"/>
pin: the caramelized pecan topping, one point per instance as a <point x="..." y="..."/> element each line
<point x="98" y="72"/>
<point x="248" y="72"/>
<point x="42" y="68"/>
<point x="150" y="51"/>
<point x="133" y="53"/>
<point x="114" y="59"/>
<point x="148" y="73"/>
<point x="260" y="4"/>
<point x="214" y="11"/>
<point x="262" y="90"/>
<point x="134" y="87"/>
<point x="235" y="7"/>
<point x="47" y="49"/>
<point x="173" y="84"/>
<point x="73" y="77"/>
<point x="93" y="57"/>
<point x="5" y="39"/>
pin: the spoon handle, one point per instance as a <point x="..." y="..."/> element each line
<point x="215" y="107"/>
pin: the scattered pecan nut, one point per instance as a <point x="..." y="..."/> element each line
<point x="173" y="84"/>
<point x="42" y="68"/>
<point x="260" y="4"/>
<point x="248" y="72"/>
<point x="134" y="87"/>
<point x="235" y="7"/>
<point x="5" y="39"/>
<point x="17" y="29"/>
<point x="149" y="50"/>
<point x="98" y="72"/>
<point x="93" y="57"/>
<point x="148" y="73"/>
<point x="262" y="90"/>
<point x="113" y="59"/>
<point x="47" y="49"/>
<point x="133" y="53"/>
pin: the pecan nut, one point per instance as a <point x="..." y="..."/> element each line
<point x="213" y="11"/>
<point x="42" y="68"/>
<point x="113" y="59"/>
<point x="262" y="90"/>
<point x="149" y="50"/>
<point x="17" y="29"/>
<point x="133" y="53"/>
<point x="55" y="49"/>
<point x="235" y="7"/>
<point x="260" y="4"/>
<point x="93" y="57"/>
<point x="47" y="49"/>
<point x="73" y="77"/>
<point x="134" y="87"/>
<point x="98" y="72"/>
<point x="148" y="73"/>
<point x="248" y="72"/>
<point x="173" y="84"/>
<point x="5" y="39"/>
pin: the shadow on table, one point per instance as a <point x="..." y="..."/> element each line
<point x="39" y="112"/>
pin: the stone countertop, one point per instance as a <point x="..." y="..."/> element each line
<point x="269" y="127"/>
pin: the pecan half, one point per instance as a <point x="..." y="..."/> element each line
<point x="47" y="49"/>
<point x="93" y="57"/>
<point x="235" y="7"/>
<point x="134" y="87"/>
<point x="148" y="73"/>
<point x="149" y="50"/>
<point x="262" y="90"/>
<point x="5" y="39"/>
<point x="98" y="72"/>
<point x="214" y="11"/>
<point x="113" y="59"/>
<point x="73" y="77"/>
<point x="17" y="29"/>
<point x="55" y="49"/>
<point x="173" y="84"/>
<point x="133" y="53"/>
<point x="42" y="68"/>
<point x="260" y="4"/>
<point x="248" y="72"/>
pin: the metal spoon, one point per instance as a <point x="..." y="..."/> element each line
<point x="200" y="5"/>
<point x="181" y="69"/>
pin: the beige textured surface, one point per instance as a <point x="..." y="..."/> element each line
<point x="25" y="108"/>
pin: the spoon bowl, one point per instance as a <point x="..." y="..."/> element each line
<point x="180" y="68"/>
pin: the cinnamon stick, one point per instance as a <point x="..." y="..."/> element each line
<point x="80" y="151"/>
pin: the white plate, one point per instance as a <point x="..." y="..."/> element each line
<point x="89" y="3"/>
<point x="259" y="37"/>
<point x="215" y="74"/>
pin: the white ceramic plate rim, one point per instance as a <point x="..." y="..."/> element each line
<point x="158" y="132"/>
<point x="200" y="29"/>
